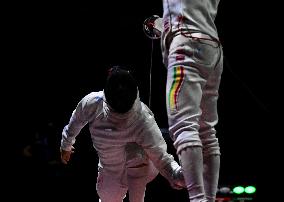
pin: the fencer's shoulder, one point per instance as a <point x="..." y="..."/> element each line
<point x="146" y="109"/>
<point x="92" y="98"/>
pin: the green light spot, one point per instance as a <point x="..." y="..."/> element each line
<point x="250" y="189"/>
<point x="239" y="190"/>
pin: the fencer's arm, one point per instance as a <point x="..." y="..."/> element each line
<point x="153" y="143"/>
<point x="72" y="129"/>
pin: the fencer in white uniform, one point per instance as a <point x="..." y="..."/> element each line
<point x="128" y="141"/>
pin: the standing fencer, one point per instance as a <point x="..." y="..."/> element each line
<point x="127" y="139"/>
<point x="193" y="56"/>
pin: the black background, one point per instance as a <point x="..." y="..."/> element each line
<point x="58" y="53"/>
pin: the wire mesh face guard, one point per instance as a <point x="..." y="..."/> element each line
<point x="120" y="90"/>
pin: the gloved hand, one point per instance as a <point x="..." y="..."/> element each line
<point x="153" y="27"/>
<point x="173" y="173"/>
<point x="177" y="181"/>
<point x="65" y="155"/>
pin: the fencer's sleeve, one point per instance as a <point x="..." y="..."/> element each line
<point x="78" y="120"/>
<point x="151" y="139"/>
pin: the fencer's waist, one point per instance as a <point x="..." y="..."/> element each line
<point x="200" y="35"/>
<point x="205" y="38"/>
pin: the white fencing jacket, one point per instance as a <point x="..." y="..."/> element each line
<point x="121" y="140"/>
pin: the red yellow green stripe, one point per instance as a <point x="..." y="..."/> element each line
<point x="178" y="78"/>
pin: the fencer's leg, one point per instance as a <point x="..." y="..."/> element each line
<point x="207" y="132"/>
<point x="211" y="175"/>
<point x="211" y="159"/>
<point x="109" y="189"/>
<point x="136" y="190"/>
<point x="137" y="180"/>
<point x="112" y="199"/>
<point x="191" y="160"/>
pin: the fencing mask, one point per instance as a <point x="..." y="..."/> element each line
<point x="120" y="89"/>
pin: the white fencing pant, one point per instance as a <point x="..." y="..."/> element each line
<point x="135" y="181"/>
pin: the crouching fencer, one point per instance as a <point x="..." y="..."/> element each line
<point x="128" y="141"/>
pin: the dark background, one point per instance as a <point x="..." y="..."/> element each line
<point x="56" y="54"/>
